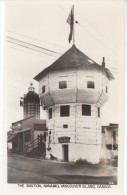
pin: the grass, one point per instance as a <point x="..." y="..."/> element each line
<point x="83" y="161"/>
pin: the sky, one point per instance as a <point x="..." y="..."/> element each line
<point x="100" y="33"/>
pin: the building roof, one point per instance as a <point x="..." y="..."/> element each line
<point x="73" y="58"/>
<point x="43" y="121"/>
<point x="111" y="127"/>
<point x="31" y="96"/>
<point x="11" y="137"/>
<point x="21" y="131"/>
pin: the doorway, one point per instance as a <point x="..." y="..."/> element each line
<point x="20" y="142"/>
<point x="65" y="153"/>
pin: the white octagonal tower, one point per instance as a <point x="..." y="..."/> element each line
<point x="73" y="90"/>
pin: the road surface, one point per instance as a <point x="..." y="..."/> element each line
<point x="28" y="170"/>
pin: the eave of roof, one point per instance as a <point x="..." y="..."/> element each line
<point x="73" y="58"/>
<point x="41" y="120"/>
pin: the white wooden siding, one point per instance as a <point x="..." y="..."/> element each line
<point x="76" y="90"/>
<point x="81" y="129"/>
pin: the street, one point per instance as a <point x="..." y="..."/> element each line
<point x="28" y="170"/>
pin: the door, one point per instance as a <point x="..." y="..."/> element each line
<point x="65" y="152"/>
<point x="20" y="142"/>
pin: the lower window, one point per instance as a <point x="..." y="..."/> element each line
<point x="86" y="110"/>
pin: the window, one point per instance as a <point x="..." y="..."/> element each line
<point x="62" y="84"/>
<point x="50" y="113"/>
<point x="64" y="111"/>
<point x="39" y="126"/>
<point x="106" y="89"/>
<point x="98" y="110"/>
<point x="65" y="126"/>
<point x="90" y="84"/>
<point x="43" y="89"/>
<point x="86" y="110"/>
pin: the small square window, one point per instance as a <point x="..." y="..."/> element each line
<point x="62" y="84"/>
<point x="65" y="126"/>
<point x="86" y="110"/>
<point x="98" y="109"/>
<point x="50" y="113"/>
<point x="90" y="84"/>
<point x="64" y="111"/>
<point x="43" y="89"/>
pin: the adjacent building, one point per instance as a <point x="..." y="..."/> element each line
<point x="25" y="132"/>
<point x="111" y="136"/>
<point x="28" y="136"/>
<point x="30" y="103"/>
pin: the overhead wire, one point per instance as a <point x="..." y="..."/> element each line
<point x="29" y="52"/>
<point x="32" y="45"/>
<point x="30" y="48"/>
<point x="34" y="38"/>
<point x="92" y="27"/>
<point x="86" y="30"/>
<point x="82" y="25"/>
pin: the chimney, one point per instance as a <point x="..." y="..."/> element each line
<point x="103" y="62"/>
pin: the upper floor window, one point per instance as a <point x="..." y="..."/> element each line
<point x="43" y="89"/>
<point x="65" y="111"/>
<point x="86" y="110"/>
<point x="90" y="84"/>
<point x="50" y="113"/>
<point x="62" y="84"/>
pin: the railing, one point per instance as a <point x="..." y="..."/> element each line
<point x="37" y="142"/>
<point x="114" y="143"/>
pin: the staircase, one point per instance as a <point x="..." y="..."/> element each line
<point x="37" y="148"/>
<point x="115" y="145"/>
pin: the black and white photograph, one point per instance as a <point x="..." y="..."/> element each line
<point x="63" y="95"/>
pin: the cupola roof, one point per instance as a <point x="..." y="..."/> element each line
<point x="31" y="96"/>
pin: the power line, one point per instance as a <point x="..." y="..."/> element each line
<point x="87" y="29"/>
<point x="34" y="38"/>
<point x="31" y="48"/>
<point x="92" y="27"/>
<point x="32" y="45"/>
<point x="29" y="52"/>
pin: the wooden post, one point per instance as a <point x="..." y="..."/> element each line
<point x="112" y="143"/>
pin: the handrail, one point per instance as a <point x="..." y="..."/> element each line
<point x="115" y="143"/>
<point x="31" y="143"/>
<point x="34" y="144"/>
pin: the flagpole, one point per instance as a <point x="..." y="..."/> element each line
<point x="73" y="27"/>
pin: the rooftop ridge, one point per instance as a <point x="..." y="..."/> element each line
<point x="73" y="58"/>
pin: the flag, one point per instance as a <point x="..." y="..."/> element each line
<point x="70" y="21"/>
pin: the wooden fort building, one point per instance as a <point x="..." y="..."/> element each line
<point x="73" y="90"/>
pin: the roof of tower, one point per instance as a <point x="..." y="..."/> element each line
<point x="31" y="96"/>
<point x="74" y="58"/>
